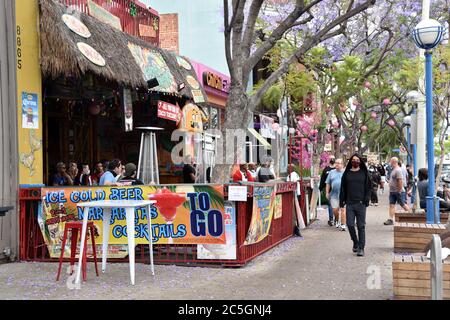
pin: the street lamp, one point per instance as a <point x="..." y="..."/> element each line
<point x="427" y="35"/>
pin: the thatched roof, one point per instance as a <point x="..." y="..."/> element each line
<point x="61" y="57"/>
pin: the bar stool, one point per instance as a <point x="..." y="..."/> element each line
<point x="76" y="226"/>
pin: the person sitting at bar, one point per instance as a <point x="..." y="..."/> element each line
<point x="130" y="175"/>
<point x="266" y="173"/>
<point x="188" y="170"/>
<point x="252" y="168"/>
<point x="61" y="178"/>
<point x="98" y="172"/>
<point x="243" y="174"/>
<point x="85" y="178"/>
<point x="73" y="172"/>
<point x="109" y="177"/>
<point x="422" y="186"/>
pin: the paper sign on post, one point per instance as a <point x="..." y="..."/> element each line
<point x="237" y="193"/>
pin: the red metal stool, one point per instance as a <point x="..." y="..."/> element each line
<point x="76" y="226"/>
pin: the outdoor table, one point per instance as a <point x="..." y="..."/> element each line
<point x="107" y="205"/>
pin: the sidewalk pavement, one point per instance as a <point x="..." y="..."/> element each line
<point x="320" y="265"/>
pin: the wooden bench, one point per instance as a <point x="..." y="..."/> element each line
<point x="418" y="217"/>
<point x="412" y="280"/>
<point x="414" y="237"/>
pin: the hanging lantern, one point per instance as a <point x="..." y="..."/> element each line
<point x="387" y="101"/>
<point x="391" y="122"/>
<point x="373" y="115"/>
<point x="364" y="128"/>
<point x="367" y="85"/>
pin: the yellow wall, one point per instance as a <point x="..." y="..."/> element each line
<point x="29" y="81"/>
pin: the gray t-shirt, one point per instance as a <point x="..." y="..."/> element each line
<point x="394" y="183"/>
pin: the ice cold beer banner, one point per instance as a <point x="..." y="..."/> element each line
<point x="183" y="215"/>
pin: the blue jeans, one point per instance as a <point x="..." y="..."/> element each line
<point x="330" y="213"/>
<point x="413" y="195"/>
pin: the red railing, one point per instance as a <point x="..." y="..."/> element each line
<point x="33" y="248"/>
<point x="121" y="9"/>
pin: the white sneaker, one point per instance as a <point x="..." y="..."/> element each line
<point x="343" y="227"/>
<point x="337" y="224"/>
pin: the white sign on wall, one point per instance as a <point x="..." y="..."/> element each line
<point x="237" y="193"/>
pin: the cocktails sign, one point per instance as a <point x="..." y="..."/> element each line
<point x="183" y="214"/>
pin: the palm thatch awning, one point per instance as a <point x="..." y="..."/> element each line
<point x="123" y="54"/>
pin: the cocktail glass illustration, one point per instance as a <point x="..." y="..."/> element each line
<point x="167" y="202"/>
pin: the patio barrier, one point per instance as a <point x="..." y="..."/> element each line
<point x="33" y="247"/>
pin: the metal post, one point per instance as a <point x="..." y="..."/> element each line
<point x="436" y="268"/>
<point x="430" y="135"/>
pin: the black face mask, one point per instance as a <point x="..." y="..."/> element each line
<point x="355" y="164"/>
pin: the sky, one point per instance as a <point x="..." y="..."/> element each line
<point x="200" y="23"/>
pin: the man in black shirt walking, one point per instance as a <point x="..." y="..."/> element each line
<point x="355" y="195"/>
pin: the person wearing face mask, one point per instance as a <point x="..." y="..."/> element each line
<point x="322" y="186"/>
<point x="85" y="176"/>
<point x="355" y="197"/>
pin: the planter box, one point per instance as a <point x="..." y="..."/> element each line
<point x="412" y="280"/>
<point x="414" y="237"/>
<point x="419" y="217"/>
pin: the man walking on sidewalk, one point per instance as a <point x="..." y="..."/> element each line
<point x="355" y="195"/>
<point x="322" y="185"/>
<point x="395" y="191"/>
<point x="333" y="189"/>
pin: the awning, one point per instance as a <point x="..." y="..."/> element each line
<point x="118" y="57"/>
<point x="260" y="138"/>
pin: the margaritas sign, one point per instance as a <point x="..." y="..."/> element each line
<point x="182" y="215"/>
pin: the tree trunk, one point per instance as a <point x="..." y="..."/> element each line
<point x="237" y="117"/>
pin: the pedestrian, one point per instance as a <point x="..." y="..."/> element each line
<point x="405" y="181"/>
<point x="395" y="191"/>
<point x="422" y="186"/>
<point x="242" y="175"/>
<point x="189" y="171"/>
<point x="376" y="180"/>
<point x="109" y="177"/>
<point x="61" y="177"/>
<point x="85" y="178"/>
<point x="333" y="189"/>
<point x="382" y="172"/>
<point x="322" y="185"/>
<point x="410" y="184"/>
<point x="354" y="196"/>
<point x="130" y="175"/>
